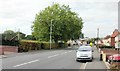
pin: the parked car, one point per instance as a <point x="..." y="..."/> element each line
<point x="84" y="53"/>
<point x="114" y="58"/>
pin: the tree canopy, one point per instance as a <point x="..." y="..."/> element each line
<point x="11" y="35"/>
<point x="66" y="24"/>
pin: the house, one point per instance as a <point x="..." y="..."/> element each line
<point x="99" y="42"/>
<point x="107" y="40"/>
<point x="114" y="38"/>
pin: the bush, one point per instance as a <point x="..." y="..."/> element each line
<point x="114" y="67"/>
<point x="9" y="42"/>
<point x="62" y="44"/>
<point x="46" y="45"/>
<point x="26" y="45"/>
<point x="110" y="47"/>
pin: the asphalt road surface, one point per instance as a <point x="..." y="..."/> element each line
<point x="51" y="59"/>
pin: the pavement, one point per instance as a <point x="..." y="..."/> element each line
<point x="6" y="54"/>
<point x="51" y="59"/>
<point x="3" y="56"/>
<point x="96" y="64"/>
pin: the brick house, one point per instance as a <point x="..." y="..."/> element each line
<point x="100" y="42"/>
<point x="107" y="40"/>
<point x="114" y="38"/>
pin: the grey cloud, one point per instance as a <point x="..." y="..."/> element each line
<point x="93" y="12"/>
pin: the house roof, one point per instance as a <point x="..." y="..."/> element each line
<point x="100" y="41"/>
<point x="115" y="33"/>
<point x="107" y="37"/>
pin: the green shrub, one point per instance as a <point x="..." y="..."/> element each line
<point x="9" y="42"/>
<point x="110" y="47"/>
<point x="62" y="45"/>
<point x="26" y="45"/>
<point x="46" y="45"/>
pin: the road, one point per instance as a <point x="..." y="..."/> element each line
<point x="51" y="59"/>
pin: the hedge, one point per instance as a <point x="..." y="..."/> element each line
<point x="26" y="45"/>
<point x="46" y="45"/>
<point x="9" y="42"/>
<point x="111" y="47"/>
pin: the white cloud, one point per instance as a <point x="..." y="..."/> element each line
<point x="16" y="14"/>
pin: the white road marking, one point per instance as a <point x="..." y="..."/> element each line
<point x="56" y="55"/>
<point x="107" y="65"/>
<point x="63" y="53"/>
<point x="26" y="63"/>
<point x="53" y="56"/>
<point x="50" y="56"/>
<point x="83" y="66"/>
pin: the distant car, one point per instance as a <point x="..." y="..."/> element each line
<point x="84" y="53"/>
<point x="114" y="58"/>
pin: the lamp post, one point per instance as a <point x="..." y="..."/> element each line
<point x="97" y="36"/>
<point x="18" y="34"/>
<point x="51" y="33"/>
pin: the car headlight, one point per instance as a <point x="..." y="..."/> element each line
<point x="78" y="54"/>
<point x="90" y="55"/>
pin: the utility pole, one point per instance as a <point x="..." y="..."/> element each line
<point x="51" y="30"/>
<point x="18" y="34"/>
<point x="50" y="34"/>
<point x="97" y="36"/>
<point x="18" y="37"/>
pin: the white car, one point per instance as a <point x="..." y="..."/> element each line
<point x="84" y="53"/>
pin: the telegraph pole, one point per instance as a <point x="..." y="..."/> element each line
<point x="50" y="34"/>
<point x="97" y="36"/>
<point x="19" y="34"/>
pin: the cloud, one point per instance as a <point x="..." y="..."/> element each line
<point x="16" y="14"/>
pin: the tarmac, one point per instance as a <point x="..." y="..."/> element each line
<point x="6" y="54"/>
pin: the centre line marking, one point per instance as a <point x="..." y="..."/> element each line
<point x="56" y="55"/>
<point x="53" y="56"/>
<point x="26" y="63"/>
<point x="83" y="66"/>
<point x="50" y="56"/>
<point x="63" y="53"/>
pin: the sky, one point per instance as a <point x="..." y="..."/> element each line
<point x="102" y="14"/>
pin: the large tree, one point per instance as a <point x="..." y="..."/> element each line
<point x="65" y="23"/>
<point x="11" y="35"/>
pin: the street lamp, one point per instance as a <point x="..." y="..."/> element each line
<point x="51" y="33"/>
<point x="97" y="36"/>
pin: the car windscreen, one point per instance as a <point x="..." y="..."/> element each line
<point x="85" y="49"/>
